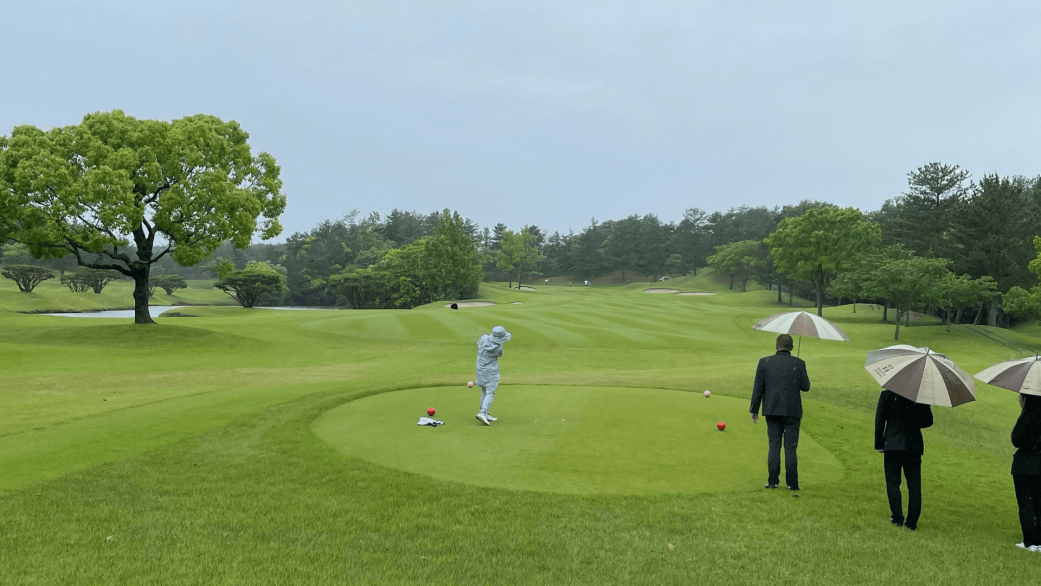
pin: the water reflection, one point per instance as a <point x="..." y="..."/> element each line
<point x="154" y="311"/>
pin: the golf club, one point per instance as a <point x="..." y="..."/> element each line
<point x="455" y="306"/>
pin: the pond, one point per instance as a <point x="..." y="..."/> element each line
<point x="154" y="311"/>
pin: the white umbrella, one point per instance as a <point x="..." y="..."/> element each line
<point x="1022" y="376"/>
<point x="921" y="375"/>
<point x="801" y="323"/>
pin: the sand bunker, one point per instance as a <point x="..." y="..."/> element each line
<point x="516" y="302"/>
<point x="661" y="291"/>
<point x="523" y="288"/>
<point x="694" y="293"/>
<point x="471" y="304"/>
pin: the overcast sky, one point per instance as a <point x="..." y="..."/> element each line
<point x="550" y="113"/>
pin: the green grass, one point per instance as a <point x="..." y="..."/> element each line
<point x="254" y="447"/>
<point x="51" y="295"/>
<point x="582" y="439"/>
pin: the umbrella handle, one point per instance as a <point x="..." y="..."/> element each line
<point x="800" y="346"/>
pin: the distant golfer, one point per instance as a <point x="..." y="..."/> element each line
<point x="489" y="349"/>
<point x="898" y="436"/>
<point x="778" y="380"/>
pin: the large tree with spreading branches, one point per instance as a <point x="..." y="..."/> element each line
<point x="821" y="244"/>
<point x="121" y="193"/>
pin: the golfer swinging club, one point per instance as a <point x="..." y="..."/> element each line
<point x="489" y="349"/>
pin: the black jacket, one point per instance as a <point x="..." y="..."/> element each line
<point x="778" y="380"/>
<point x="899" y="423"/>
<point x="1027" y="437"/>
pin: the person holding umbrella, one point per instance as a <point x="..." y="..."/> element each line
<point x="1026" y="470"/>
<point x="1023" y="376"/>
<point x="779" y="381"/>
<point x="913" y="379"/>
<point x="898" y="436"/>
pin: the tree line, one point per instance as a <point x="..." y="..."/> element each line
<point x="949" y="245"/>
<point x="157" y="202"/>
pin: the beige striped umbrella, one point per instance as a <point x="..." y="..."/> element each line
<point x="921" y="375"/>
<point x="801" y="323"/>
<point x="1022" y="376"/>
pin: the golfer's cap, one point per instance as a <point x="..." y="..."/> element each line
<point x="500" y="334"/>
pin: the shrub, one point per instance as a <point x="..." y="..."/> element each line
<point x="75" y="282"/>
<point x="251" y="284"/>
<point x="169" y="283"/>
<point x="27" y="276"/>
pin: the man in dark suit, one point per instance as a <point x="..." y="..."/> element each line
<point x="778" y="382"/>
<point x="898" y="435"/>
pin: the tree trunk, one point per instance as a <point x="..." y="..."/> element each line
<point x="907" y="318"/>
<point x="141" y="315"/>
<point x="790" y="295"/>
<point x="820" y="291"/>
<point x="511" y="280"/>
<point x="947" y="317"/>
<point x="854" y="305"/>
<point x="957" y="316"/>
<point x="731" y="282"/>
<point x="518" y="279"/>
<point x="992" y="315"/>
<point x="744" y="285"/>
<point x="979" y="314"/>
<point x="896" y="336"/>
<point x="885" y="311"/>
<point x="780" y="300"/>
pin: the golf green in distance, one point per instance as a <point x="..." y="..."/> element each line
<point x="569" y="439"/>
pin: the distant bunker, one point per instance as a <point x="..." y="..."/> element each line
<point x="471" y="304"/>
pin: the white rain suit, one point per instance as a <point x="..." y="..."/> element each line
<point x="489" y="349"/>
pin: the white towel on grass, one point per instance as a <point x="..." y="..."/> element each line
<point x="430" y="422"/>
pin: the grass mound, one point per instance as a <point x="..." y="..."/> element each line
<point x="53" y="296"/>
<point x="573" y="439"/>
<point x="122" y="335"/>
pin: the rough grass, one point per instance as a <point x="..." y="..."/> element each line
<point x="185" y="453"/>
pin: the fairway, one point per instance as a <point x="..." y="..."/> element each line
<point x="568" y="439"/>
<point x="274" y="447"/>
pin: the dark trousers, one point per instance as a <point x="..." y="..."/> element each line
<point x="1028" y="494"/>
<point x="783" y="430"/>
<point x="911" y="466"/>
